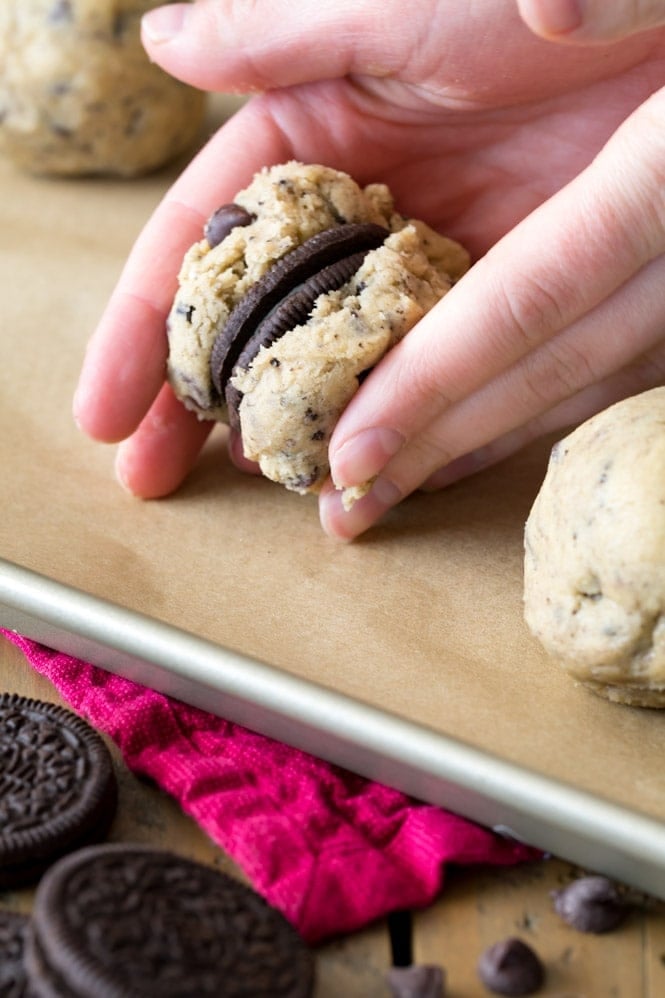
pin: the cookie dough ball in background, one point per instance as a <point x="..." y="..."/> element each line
<point x="594" y="580"/>
<point x="78" y="94"/>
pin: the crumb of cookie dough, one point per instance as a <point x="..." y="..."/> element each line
<point x="295" y="388"/>
<point x="78" y="94"/>
<point x="594" y="569"/>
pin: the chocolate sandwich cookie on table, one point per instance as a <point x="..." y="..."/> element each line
<point x="58" y="789"/>
<point x="296" y="290"/>
<point x="130" y="921"/>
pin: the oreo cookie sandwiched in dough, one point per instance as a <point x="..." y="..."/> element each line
<point x="297" y="289"/>
<point x="58" y="789"/>
<point x="130" y="921"/>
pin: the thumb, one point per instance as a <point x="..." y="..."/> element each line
<point x="247" y="47"/>
<point x="585" y="21"/>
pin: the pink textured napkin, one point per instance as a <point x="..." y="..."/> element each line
<point x="333" y="851"/>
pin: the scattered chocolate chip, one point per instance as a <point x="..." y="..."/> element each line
<point x="223" y="221"/>
<point x="416" y="981"/>
<point x="511" y="967"/>
<point x="590" y="904"/>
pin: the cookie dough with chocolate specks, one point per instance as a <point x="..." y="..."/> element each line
<point x="78" y="94"/>
<point x="594" y="579"/>
<point x="298" y="288"/>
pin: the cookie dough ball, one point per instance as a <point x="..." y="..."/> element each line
<point x="78" y="94"/>
<point x="290" y="393"/>
<point x="594" y="574"/>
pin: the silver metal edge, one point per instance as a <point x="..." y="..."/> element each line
<point x="553" y="816"/>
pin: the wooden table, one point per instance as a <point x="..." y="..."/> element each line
<point x="477" y="908"/>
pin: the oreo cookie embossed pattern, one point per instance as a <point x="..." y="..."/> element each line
<point x="123" y="921"/>
<point x="57" y="787"/>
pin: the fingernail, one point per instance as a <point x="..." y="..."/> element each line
<point x="363" y="456"/>
<point x="346" y="524"/>
<point x="120" y="472"/>
<point x="556" y="17"/>
<point x="163" y="23"/>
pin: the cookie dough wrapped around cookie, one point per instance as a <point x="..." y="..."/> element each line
<point x="594" y="561"/>
<point x="78" y="94"/>
<point x="296" y="291"/>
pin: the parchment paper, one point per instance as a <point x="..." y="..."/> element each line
<point x="423" y="617"/>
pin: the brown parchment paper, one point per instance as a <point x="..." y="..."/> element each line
<point x="422" y="618"/>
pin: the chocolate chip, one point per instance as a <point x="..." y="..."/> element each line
<point x="416" y="981"/>
<point x="223" y="221"/>
<point x="590" y="904"/>
<point x="186" y="310"/>
<point x="511" y="967"/>
<point x="316" y="266"/>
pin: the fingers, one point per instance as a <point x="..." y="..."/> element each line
<point x="245" y="47"/>
<point x="237" y="455"/>
<point x="162" y="451"/>
<point x="124" y="366"/>
<point x="488" y="358"/>
<point x="586" y="21"/>
<point x="634" y="318"/>
<point x="647" y="372"/>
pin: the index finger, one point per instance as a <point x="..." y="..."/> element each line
<point x="125" y="361"/>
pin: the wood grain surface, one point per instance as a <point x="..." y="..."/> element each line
<point x="477" y="907"/>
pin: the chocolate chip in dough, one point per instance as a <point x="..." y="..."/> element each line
<point x="590" y="904"/>
<point x="224" y="220"/>
<point x="511" y="967"/>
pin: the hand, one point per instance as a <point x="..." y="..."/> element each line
<point x="546" y="160"/>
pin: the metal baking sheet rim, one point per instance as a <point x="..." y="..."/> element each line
<point x="555" y="817"/>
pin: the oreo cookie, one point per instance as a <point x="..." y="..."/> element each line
<point x="57" y="787"/>
<point x="284" y="296"/>
<point x="13" y="980"/>
<point x="130" y="921"/>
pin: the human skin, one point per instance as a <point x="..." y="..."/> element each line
<point x="520" y="131"/>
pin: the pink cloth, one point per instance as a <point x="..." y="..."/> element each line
<point x="331" y="850"/>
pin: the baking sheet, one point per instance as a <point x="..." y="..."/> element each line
<point x="403" y="655"/>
